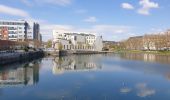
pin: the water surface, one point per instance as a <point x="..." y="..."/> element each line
<point x="88" y="77"/>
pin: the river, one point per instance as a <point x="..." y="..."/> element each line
<point x="122" y="76"/>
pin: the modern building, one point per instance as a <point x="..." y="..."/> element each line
<point x="21" y="31"/>
<point x="36" y="31"/>
<point x="34" y="37"/>
<point x="33" y="32"/>
<point x="17" y="30"/>
<point x="76" y="41"/>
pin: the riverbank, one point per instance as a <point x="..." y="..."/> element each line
<point x="148" y="52"/>
<point x="71" y="52"/>
<point x="13" y="57"/>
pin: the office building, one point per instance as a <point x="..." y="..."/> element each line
<point x="16" y="30"/>
<point x="21" y="31"/>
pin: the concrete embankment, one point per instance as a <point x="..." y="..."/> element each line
<point x="52" y="53"/>
<point x="8" y="58"/>
<point x="65" y="53"/>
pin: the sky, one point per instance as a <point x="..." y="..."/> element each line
<point x="115" y="20"/>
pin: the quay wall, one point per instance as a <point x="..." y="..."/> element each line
<point x="70" y="52"/>
<point x="9" y="58"/>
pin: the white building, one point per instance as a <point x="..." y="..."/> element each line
<point x="21" y="30"/>
<point x="16" y="29"/>
<point x="76" y="41"/>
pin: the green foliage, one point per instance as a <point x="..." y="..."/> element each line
<point x="26" y="49"/>
<point x="49" y="43"/>
<point x="60" y="46"/>
<point x="115" y="48"/>
<point x="34" y="49"/>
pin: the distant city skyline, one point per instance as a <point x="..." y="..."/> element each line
<point x="115" y="20"/>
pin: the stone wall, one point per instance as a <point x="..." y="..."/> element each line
<point x="8" y="58"/>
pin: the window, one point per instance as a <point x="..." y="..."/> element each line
<point x="75" y="38"/>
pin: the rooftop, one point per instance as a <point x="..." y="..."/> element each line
<point x="83" y="34"/>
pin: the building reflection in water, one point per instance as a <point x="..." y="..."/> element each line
<point x="19" y="75"/>
<point x="76" y="63"/>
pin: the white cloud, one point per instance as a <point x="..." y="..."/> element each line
<point x="144" y="91"/>
<point x="125" y="90"/>
<point x="113" y="32"/>
<point x="147" y="5"/>
<point x="91" y="19"/>
<point x="61" y="28"/>
<point x="39" y="2"/>
<point x="26" y="2"/>
<point x="157" y="30"/>
<point x="13" y="11"/>
<point x="127" y="6"/>
<point x="111" y="28"/>
<point x="58" y="2"/>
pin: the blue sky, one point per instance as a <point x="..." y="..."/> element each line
<point x="113" y="19"/>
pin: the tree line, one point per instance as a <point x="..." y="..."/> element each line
<point x="159" y="41"/>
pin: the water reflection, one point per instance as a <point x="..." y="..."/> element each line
<point x="143" y="90"/>
<point x="147" y="57"/>
<point x="150" y="64"/>
<point x="89" y="77"/>
<point x="76" y="63"/>
<point x="19" y="75"/>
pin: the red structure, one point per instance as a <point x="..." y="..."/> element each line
<point x="4" y="33"/>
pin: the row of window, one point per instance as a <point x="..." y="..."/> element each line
<point x="68" y="47"/>
<point x="11" y="28"/>
<point x="13" y="39"/>
<point x="90" y="37"/>
<point x="90" y="41"/>
<point x="68" y="36"/>
<point x="12" y="32"/>
<point x="20" y="35"/>
<point x="11" y="23"/>
<point x="12" y="36"/>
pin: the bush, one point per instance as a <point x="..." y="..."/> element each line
<point x="34" y="49"/>
<point x="26" y="49"/>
